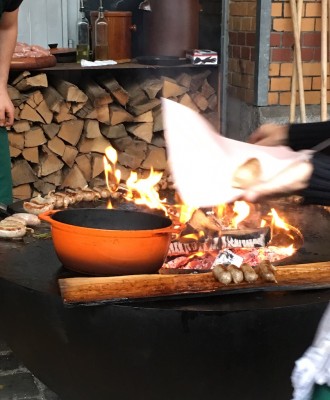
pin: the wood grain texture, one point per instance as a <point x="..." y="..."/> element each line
<point x="132" y="287"/>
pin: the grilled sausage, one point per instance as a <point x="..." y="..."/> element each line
<point x="221" y="274"/>
<point x="249" y="273"/>
<point x="236" y="273"/>
<point x="266" y="271"/>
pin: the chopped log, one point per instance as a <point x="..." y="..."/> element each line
<point x="16" y="140"/>
<point x="146" y="117"/>
<point x="171" y="88"/>
<point x="21" y="126"/>
<point x="45" y="112"/>
<point x="137" y="148"/>
<point x="97" y="145"/>
<point x="187" y="101"/>
<point x="142" y="131"/>
<point x="200" y="101"/>
<point x="122" y="143"/>
<point x="71" y="131"/>
<point x="159" y="141"/>
<point x="124" y="172"/>
<point x="87" y="111"/>
<point x="213" y="102"/>
<point x="75" y="107"/>
<point x="43" y="187"/>
<point x="31" y="114"/>
<point x="113" y="132"/>
<point x="31" y="154"/>
<point x="113" y="87"/>
<point x="34" y="99"/>
<point x="74" y="179"/>
<point x="50" y="164"/>
<point x="103" y="114"/>
<point x="68" y="90"/>
<point x="152" y="87"/>
<point x="207" y="90"/>
<point x="22" y="173"/>
<point x="21" y="76"/>
<point x="92" y="129"/>
<point x="51" y="130"/>
<point x="14" y="94"/>
<point x="56" y="178"/>
<point x="129" y="160"/>
<point x="57" y="146"/>
<point x="53" y="99"/>
<point x="158" y="119"/>
<point x="34" y="137"/>
<point x="184" y="79"/>
<point x="96" y="94"/>
<point x="30" y="82"/>
<point x="97" y="165"/>
<point x="141" y="105"/>
<point x="156" y="158"/>
<point x="22" y="192"/>
<point x="198" y="80"/>
<point x="84" y="163"/>
<point x="64" y="114"/>
<point x="118" y="115"/>
<point x="69" y="155"/>
<point x="14" y="152"/>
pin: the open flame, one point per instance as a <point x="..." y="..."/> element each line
<point x="285" y="239"/>
<point x="141" y="191"/>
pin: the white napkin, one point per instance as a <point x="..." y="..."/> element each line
<point x="97" y="63"/>
<point x="314" y="366"/>
<point x="203" y="162"/>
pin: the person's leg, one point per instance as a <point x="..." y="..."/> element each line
<point x="321" y="392"/>
<point x="6" y="194"/>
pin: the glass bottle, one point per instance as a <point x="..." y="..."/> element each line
<point x="82" y="35"/>
<point x="101" y="36"/>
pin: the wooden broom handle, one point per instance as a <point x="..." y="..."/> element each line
<point x="298" y="58"/>
<point x="294" y="70"/>
<point x="324" y="61"/>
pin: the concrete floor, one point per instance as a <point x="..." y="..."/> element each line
<point x="17" y="382"/>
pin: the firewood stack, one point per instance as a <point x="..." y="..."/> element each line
<point x="61" y="129"/>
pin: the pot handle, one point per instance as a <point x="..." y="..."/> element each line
<point x="46" y="216"/>
<point x="176" y="229"/>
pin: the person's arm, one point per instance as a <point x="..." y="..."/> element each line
<point x="8" y="37"/>
<point x="308" y="135"/>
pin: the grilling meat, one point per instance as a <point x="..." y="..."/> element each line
<point x="221" y="274"/>
<point x="250" y="274"/>
<point x="266" y="271"/>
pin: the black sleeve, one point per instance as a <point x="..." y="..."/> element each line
<point x="12" y="5"/>
<point x="307" y="135"/>
<point x="318" y="191"/>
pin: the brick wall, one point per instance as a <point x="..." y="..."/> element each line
<point x="281" y="52"/>
<point x="241" y="49"/>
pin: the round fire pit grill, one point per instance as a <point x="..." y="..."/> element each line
<point x="228" y="346"/>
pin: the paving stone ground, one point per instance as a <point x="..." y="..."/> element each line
<point x="17" y="382"/>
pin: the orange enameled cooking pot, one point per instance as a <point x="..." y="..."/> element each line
<point x="110" y="242"/>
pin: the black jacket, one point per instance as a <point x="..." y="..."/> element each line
<point x="306" y="136"/>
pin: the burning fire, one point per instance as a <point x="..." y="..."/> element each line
<point x="205" y="226"/>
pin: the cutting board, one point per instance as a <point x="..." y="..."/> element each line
<point x="157" y="286"/>
<point x="24" y="63"/>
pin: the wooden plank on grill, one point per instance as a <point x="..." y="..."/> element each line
<point x="153" y="286"/>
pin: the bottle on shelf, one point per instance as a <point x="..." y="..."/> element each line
<point x="82" y="35"/>
<point x="101" y="45"/>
